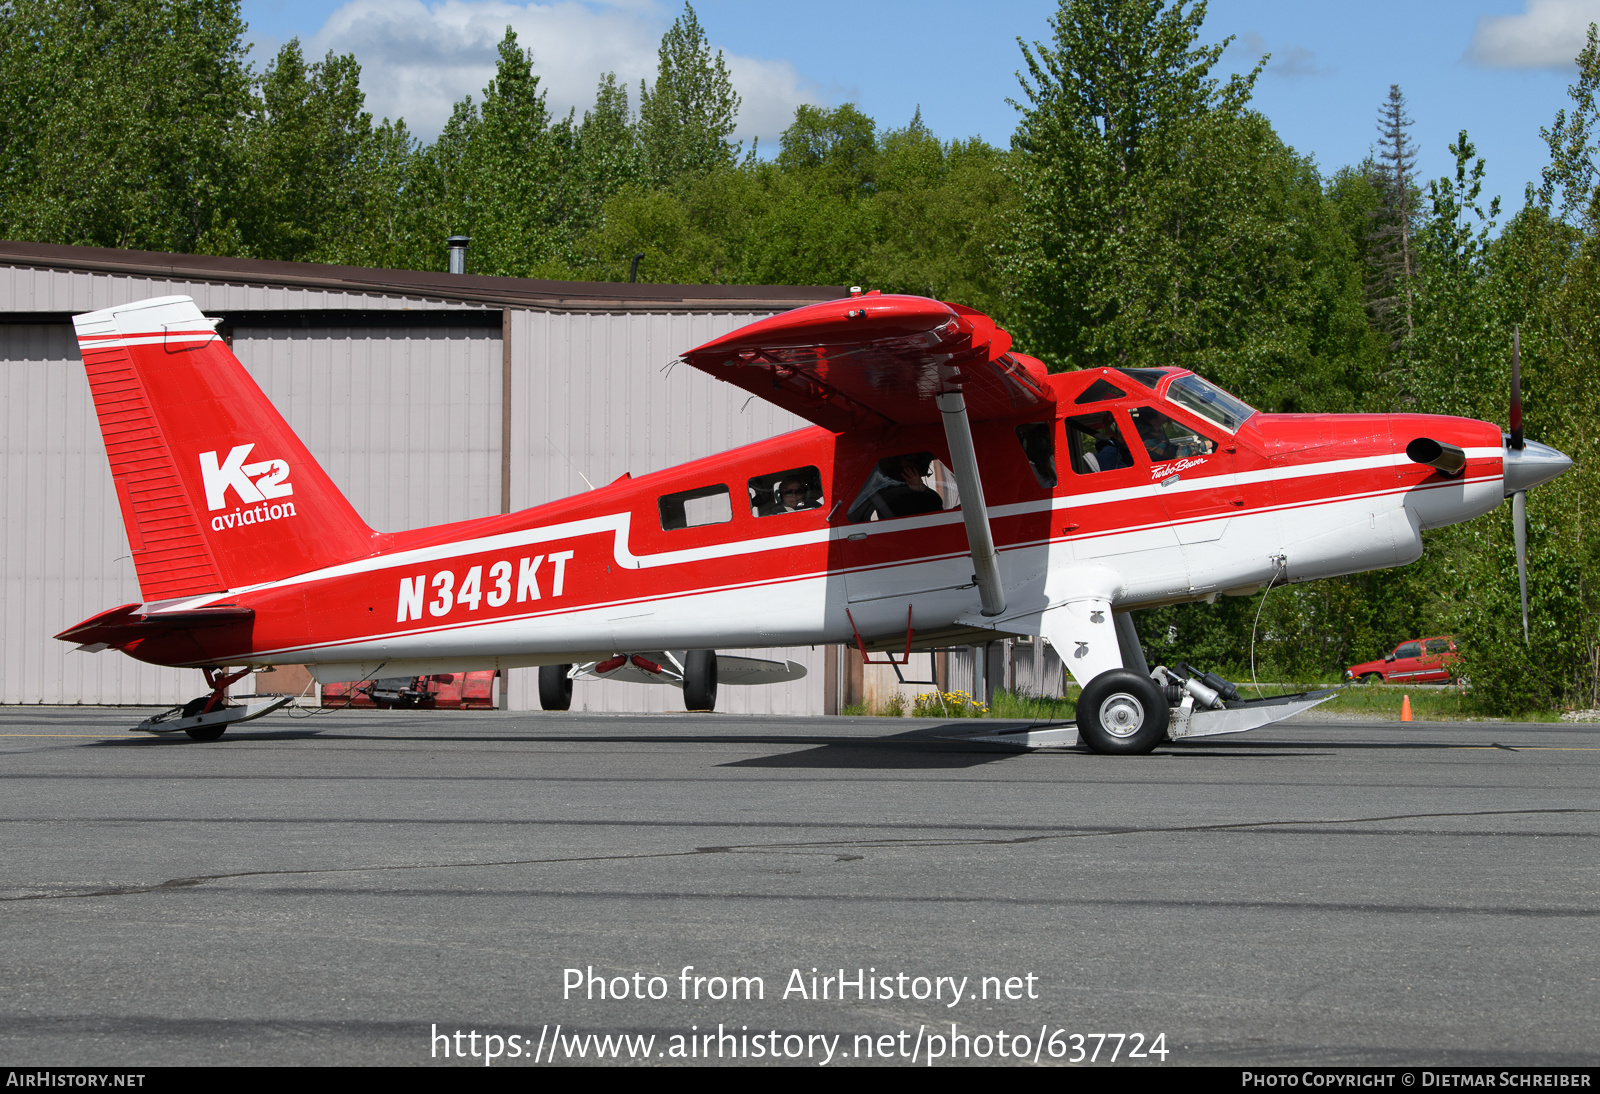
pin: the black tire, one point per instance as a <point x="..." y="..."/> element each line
<point x="700" y="680"/>
<point x="202" y="733"/>
<point x="555" y="687"/>
<point x="1122" y="713"/>
<point x="1372" y="678"/>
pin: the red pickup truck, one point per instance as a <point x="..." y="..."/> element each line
<point x="1416" y="661"/>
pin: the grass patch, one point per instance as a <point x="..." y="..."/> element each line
<point x="1032" y="708"/>
<point x="1381" y="702"/>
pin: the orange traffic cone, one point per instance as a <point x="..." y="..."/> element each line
<point x="1405" y="708"/>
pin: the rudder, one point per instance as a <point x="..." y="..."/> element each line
<point x="216" y="490"/>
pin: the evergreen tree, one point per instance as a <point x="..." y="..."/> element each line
<point x="1391" y="256"/>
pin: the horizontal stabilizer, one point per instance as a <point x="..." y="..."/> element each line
<point x="119" y="626"/>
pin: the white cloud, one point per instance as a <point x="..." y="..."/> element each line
<point x="1548" y="34"/>
<point x="1288" y="62"/>
<point x="418" y="60"/>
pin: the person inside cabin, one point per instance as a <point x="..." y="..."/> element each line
<point x="792" y="496"/>
<point x="1108" y="454"/>
<point x="898" y="488"/>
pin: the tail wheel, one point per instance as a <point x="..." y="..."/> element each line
<point x="1122" y="712"/>
<point x="555" y="687"/>
<point x="700" y="680"/>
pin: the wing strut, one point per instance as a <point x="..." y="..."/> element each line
<point x="958" y="433"/>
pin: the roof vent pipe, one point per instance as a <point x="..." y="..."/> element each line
<point x="458" y="253"/>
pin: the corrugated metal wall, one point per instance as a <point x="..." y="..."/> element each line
<point x="405" y="419"/>
<point x="65" y="553"/>
<point x="593" y="396"/>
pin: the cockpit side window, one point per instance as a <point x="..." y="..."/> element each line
<point x="1165" y="439"/>
<point x="1095" y="444"/>
<point x="1206" y="399"/>
<point x="904" y="486"/>
<point x="1039" y="445"/>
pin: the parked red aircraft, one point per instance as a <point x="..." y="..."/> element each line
<point x="950" y="491"/>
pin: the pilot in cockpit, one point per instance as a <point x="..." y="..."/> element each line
<point x="897" y="488"/>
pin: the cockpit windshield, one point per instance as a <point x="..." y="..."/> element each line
<point x="1209" y="401"/>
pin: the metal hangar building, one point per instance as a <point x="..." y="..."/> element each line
<point x="428" y="397"/>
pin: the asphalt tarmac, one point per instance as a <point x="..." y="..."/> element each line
<point x="340" y="889"/>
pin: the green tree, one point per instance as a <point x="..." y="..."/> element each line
<point x="512" y="168"/>
<point x="1572" y="173"/>
<point x="1113" y="109"/>
<point x="301" y="148"/>
<point x="1391" y="256"/>
<point x="687" y="117"/>
<point x="118" y="122"/>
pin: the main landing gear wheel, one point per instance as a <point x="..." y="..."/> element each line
<point x="555" y="687"/>
<point x="700" y="680"/>
<point x="1122" y="712"/>
<point x="202" y="733"/>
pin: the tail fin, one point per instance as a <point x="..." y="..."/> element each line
<point x="216" y="490"/>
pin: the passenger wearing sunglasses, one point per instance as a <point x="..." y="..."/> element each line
<point x="791" y="497"/>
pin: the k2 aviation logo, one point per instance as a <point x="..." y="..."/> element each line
<point x="254" y="483"/>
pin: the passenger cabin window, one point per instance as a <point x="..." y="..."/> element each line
<point x="1410" y="649"/>
<point x="904" y="486"/>
<point x="1038" y="441"/>
<point x="1165" y="439"/>
<point x="693" y="508"/>
<point x="1438" y="645"/>
<point x="793" y="491"/>
<point x="1095" y="444"/>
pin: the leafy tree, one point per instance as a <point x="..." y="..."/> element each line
<point x="301" y="146"/>
<point x="118" y="122"/>
<point x="1571" y="173"/>
<point x="512" y="171"/>
<point x="686" y="119"/>
<point x="1461" y="338"/>
<point x="1113" y="108"/>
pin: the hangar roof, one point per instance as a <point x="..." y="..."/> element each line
<point x="459" y="289"/>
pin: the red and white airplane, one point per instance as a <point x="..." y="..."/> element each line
<point x="950" y="491"/>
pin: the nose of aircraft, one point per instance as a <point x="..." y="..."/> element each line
<point x="1532" y="465"/>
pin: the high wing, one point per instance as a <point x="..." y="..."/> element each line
<point x="877" y="360"/>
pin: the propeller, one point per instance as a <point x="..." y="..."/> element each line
<point x="1519" y="500"/>
<point x="1526" y="464"/>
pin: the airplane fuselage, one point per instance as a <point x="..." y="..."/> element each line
<point x="1282" y="498"/>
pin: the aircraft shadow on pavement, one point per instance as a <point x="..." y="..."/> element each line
<point x="928" y="747"/>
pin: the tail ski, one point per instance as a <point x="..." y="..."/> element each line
<point x="216" y="490"/>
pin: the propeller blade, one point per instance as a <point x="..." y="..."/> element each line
<point x="1516" y="389"/>
<point x="1519" y="527"/>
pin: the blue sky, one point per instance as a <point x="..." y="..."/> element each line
<point x="1499" y="68"/>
